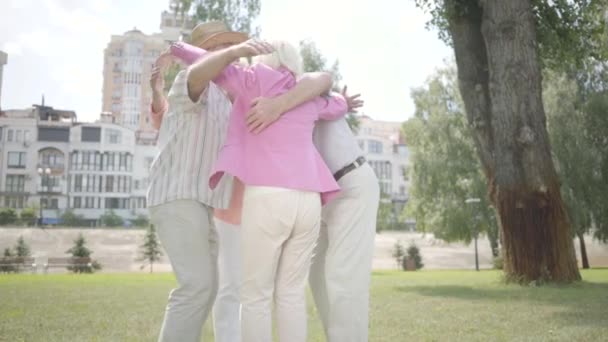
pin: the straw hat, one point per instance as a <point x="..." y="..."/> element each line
<point x="211" y="34"/>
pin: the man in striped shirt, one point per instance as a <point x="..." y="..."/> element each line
<point x="193" y="121"/>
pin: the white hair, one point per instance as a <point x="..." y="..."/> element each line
<point x="285" y="55"/>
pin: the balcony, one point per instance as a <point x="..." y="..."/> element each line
<point x="56" y="168"/>
<point x="53" y="188"/>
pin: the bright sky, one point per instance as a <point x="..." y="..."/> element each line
<point x="56" y="47"/>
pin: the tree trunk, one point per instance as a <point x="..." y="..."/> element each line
<point x="500" y="81"/>
<point x="584" y="258"/>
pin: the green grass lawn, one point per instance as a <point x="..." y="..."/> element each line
<point x="420" y="306"/>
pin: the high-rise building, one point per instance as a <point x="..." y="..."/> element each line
<point x="3" y="60"/>
<point x="128" y="63"/>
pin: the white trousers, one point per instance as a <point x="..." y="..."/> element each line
<point x="280" y="229"/>
<point x="227" y="307"/>
<point x="187" y="233"/>
<point x="341" y="267"/>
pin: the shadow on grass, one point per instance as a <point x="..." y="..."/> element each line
<point x="583" y="303"/>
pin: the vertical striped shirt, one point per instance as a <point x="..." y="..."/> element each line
<point x="190" y="137"/>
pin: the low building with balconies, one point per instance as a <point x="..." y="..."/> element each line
<point x="51" y="162"/>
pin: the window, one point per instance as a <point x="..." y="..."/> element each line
<point x="1" y="134"/>
<point x="15" y="202"/>
<point x="78" y="183"/>
<point x="401" y="150"/>
<point x="49" y="182"/>
<point x="77" y="203"/>
<point x="89" y="202"/>
<point x="118" y="184"/>
<point x="90" y="183"/>
<point x="383" y="169"/>
<point x="109" y="183"/>
<point x="404" y="172"/>
<point x="16" y="160"/>
<point x="116" y="94"/>
<point x="47" y="203"/>
<point x="58" y="134"/>
<point x="117" y="203"/>
<point x="122" y="164"/>
<point x="138" y="203"/>
<point x="10" y="136"/>
<point x="375" y="146"/>
<point x="15" y="183"/>
<point x="108" y="161"/>
<point x="86" y="160"/>
<point x="113" y="136"/>
<point x="19" y="135"/>
<point x="51" y="158"/>
<point x="26" y="136"/>
<point x="91" y="134"/>
<point x="386" y="188"/>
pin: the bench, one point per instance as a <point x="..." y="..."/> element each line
<point x="16" y="264"/>
<point x="67" y="262"/>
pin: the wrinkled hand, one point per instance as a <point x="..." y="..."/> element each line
<point x="353" y="102"/>
<point x="157" y="80"/>
<point x="263" y="112"/>
<point x="253" y="47"/>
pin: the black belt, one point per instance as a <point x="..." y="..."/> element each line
<point x="348" y="168"/>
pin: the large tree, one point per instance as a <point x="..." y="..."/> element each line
<point x="498" y="47"/>
<point x="239" y="15"/>
<point x="575" y="157"/>
<point x="445" y="170"/>
<point x="596" y="130"/>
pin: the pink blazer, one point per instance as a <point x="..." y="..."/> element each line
<point x="283" y="155"/>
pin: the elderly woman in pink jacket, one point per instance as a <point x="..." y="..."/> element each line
<point x="286" y="181"/>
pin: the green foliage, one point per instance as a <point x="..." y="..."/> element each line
<point x="578" y="127"/>
<point x="413" y="253"/>
<point x="22" y="249"/>
<point x="596" y="128"/>
<point x="80" y="250"/>
<point x="569" y="31"/>
<point x="150" y="250"/>
<point x="28" y="216"/>
<point x="110" y="219"/>
<point x="5" y="266"/>
<point x="386" y="218"/>
<point x="239" y="15"/>
<point x="8" y="216"/>
<point x="141" y="221"/>
<point x="498" y="262"/>
<point x="70" y="219"/>
<point x="398" y="253"/>
<point x="445" y="170"/>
